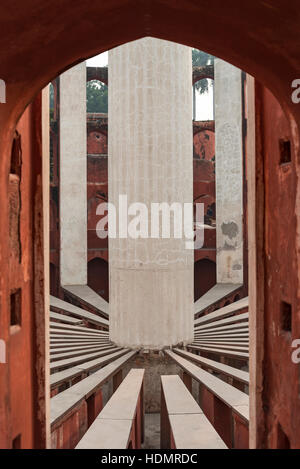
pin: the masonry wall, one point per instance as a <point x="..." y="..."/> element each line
<point x="205" y="192"/>
<point x="229" y="172"/>
<point x="23" y="384"/>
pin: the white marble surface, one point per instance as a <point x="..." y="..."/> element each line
<point x="229" y="172"/>
<point x="216" y="293"/>
<point x="150" y="112"/>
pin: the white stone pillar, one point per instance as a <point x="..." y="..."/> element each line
<point x="229" y="172"/>
<point x="150" y="160"/>
<point x="73" y="181"/>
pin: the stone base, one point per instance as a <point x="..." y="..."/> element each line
<point x="155" y="364"/>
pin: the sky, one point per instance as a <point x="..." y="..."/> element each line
<point x="100" y="60"/>
<point x="205" y="105"/>
<point x="204" y="102"/>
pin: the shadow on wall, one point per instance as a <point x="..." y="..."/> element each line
<point x="98" y="277"/>
<point x="54" y="280"/>
<point x="205" y="277"/>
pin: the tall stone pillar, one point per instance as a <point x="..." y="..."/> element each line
<point x="229" y="172"/>
<point x="73" y="191"/>
<point x="150" y="160"/>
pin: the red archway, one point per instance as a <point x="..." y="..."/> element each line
<point x="98" y="276"/>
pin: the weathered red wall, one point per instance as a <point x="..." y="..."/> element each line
<point x="205" y="192"/>
<point x="280" y="396"/>
<point x="204" y="145"/>
<point x="19" y="383"/>
<point x="204" y="276"/>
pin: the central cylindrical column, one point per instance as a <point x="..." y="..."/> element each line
<point x="150" y="153"/>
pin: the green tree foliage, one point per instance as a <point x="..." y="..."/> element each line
<point x="199" y="59"/>
<point x="97" y="93"/>
<point x="51" y="99"/>
<point x="96" y="97"/>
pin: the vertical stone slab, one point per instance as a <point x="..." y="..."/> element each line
<point x="229" y="172"/>
<point x="73" y="191"/>
<point x="150" y="158"/>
